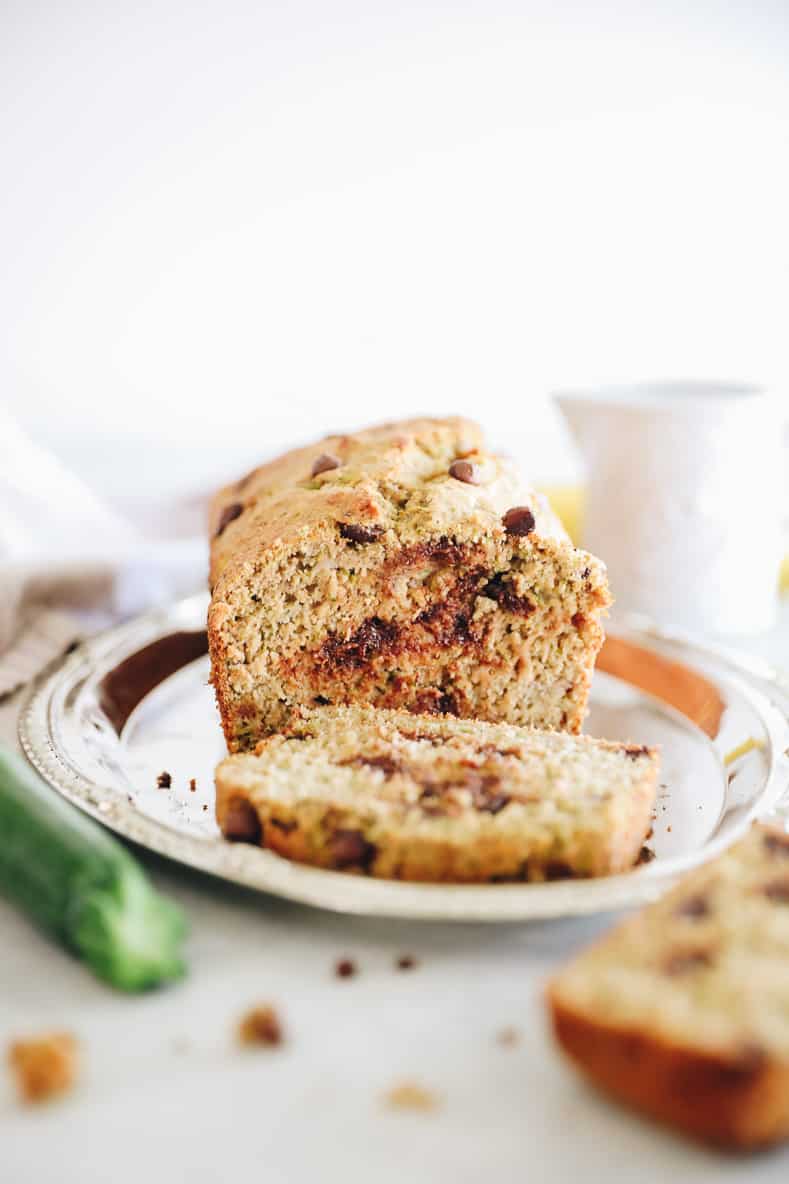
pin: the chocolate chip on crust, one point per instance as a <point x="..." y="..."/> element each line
<point x="324" y="464"/>
<point x="357" y="532"/>
<point x="519" y="521"/>
<point x="228" y="515"/>
<point x="465" y="471"/>
<point x="349" y="848"/>
<point x="241" y="823"/>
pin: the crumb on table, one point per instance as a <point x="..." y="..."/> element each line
<point x="345" y="968"/>
<point x="44" y="1067"/>
<point x="261" y="1025"/>
<point x="411" y="1096"/>
<point x="406" y="962"/>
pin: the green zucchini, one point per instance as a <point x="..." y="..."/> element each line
<point x="82" y="886"/>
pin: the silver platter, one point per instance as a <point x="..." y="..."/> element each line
<point x="135" y="701"/>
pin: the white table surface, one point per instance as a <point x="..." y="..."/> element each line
<point x="167" y="1094"/>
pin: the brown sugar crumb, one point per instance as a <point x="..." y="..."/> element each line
<point x="193" y="784"/>
<point x="345" y="968"/>
<point x="508" y="1037"/>
<point x="44" y="1067"/>
<point x="406" y="962"/>
<point x="410" y="1096"/>
<point x="261" y="1025"/>
<point x="164" y="780"/>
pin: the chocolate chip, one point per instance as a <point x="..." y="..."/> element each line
<point x="164" y="781"/>
<point x="241" y="823"/>
<point x="228" y="515"/>
<point x="324" y="464"/>
<point x="349" y="848"/>
<point x="585" y="574"/>
<point x="406" y="962"/>
<point x="387" y="764"/>
<point x="777" y="844"/>
<point x="519" y="521"/>
<point x="686" y="961"/>
<point x="465" y="471"/>
<point x="556" y="870"/>
<point x="345" y="968"/>
<point x="693" y="907"/>
<point x="645" y="855"/>
<point x="493" y="803"/>
<point x="356" y="532"/>
<point x="777" y="890"/>
<point x="503" y="592"/>
<point x="634" y="751"/>
<point x="285" y="825"/>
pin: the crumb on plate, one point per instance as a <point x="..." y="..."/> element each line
<point x="508" y="1037"/>
<point x="406" y="962"/>
<point x="411" y="1096"/>
<point x="261" y="1026"/>
<point x="45" y="1066"/>
<point x="164" y="780"/>
<point x="345" y="968"/>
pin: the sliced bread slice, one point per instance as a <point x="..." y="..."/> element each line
<point x="683" y="1011"/>
<point x="423" y="797"/>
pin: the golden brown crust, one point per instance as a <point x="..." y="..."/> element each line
<point x="279" y="493"/>
<point x="739" y="1102"/>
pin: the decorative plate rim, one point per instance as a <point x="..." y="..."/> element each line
<point x="357" y="895"/>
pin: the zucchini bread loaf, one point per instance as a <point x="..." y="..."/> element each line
<point x="400" y="567"/>
<point x="419" y="797"/>
<point x="683" y="1011"/>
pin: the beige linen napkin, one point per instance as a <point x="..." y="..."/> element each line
<point x="70" y="563"/>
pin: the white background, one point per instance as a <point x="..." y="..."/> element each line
<point x="230" y="224"/>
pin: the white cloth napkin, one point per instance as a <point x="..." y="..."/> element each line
<point x="70" y="563"/>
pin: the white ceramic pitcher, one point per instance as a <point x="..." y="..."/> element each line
<point x="684" y="499"/>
